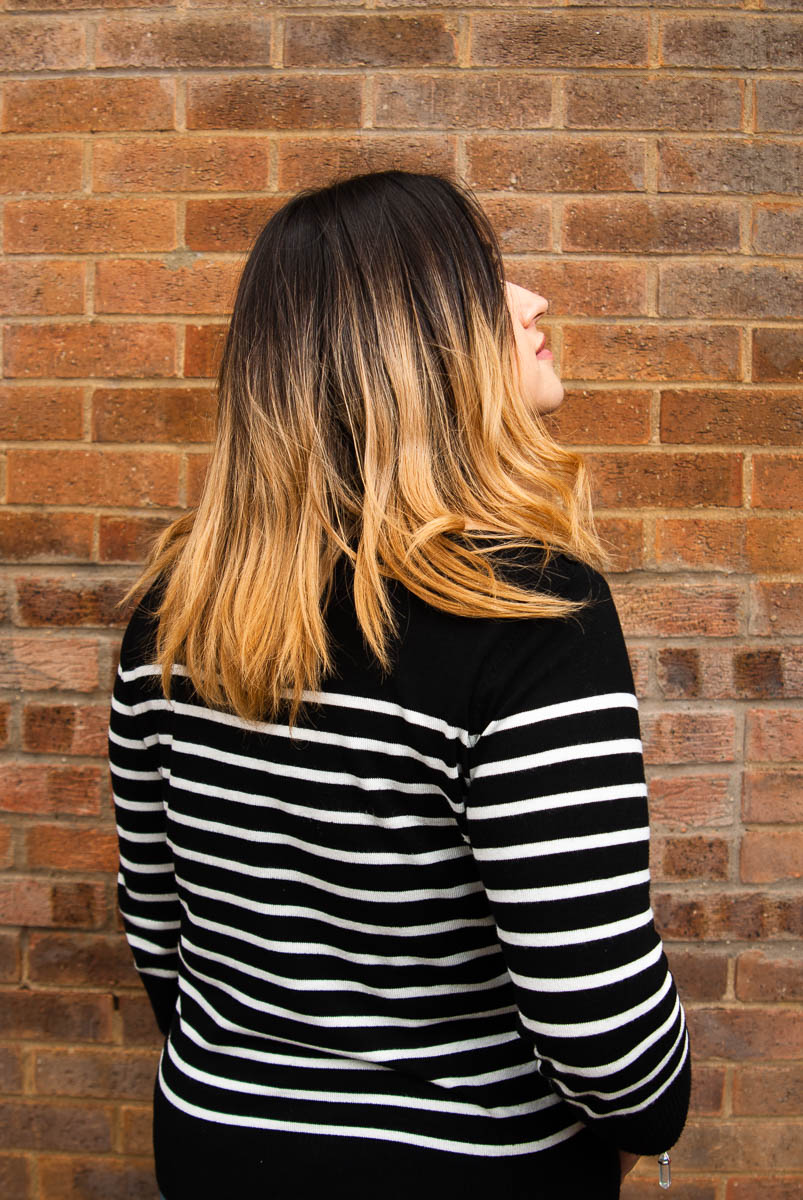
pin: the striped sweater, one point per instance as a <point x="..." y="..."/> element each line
<point x="423" y="918"/>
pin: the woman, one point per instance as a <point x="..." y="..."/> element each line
<point x="375" y="748"/>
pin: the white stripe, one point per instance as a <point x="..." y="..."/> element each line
<point x="648" y="1101"/>
<point x="580" y="983"/>
<point x="571" y="937"/>
<point x="141" y="706"/>
<point x="516" y="808"/>
<point x="604" y="1024"/>
<point x="127" y="836"/>
<point x="632" y="1087"/>
<point x="332" y="1063"/>
<point x="147" y="897"/>
<point x="567" y="708"/>
<point x="504" y="1075"/>
<point x="559" y="754"/>
<point x="126" y="773"/>
<point x="150" y="923"/>
<point x="158" y="971"/>
<point x="145" y="868"/>
<point x="566" y="891"/>
<point x="387" y="1135"/>
<point x="619" y="1064"/>
<point x="139" y="943"/>
<point x="569" y="845"/>
<point x="137" y="805"/>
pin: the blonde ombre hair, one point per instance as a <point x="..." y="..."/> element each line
<point x="368" y="407"/>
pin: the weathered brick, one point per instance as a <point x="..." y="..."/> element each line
<point x="36" y="165"/>
<point x="653" y="102"/>
<point x="122" y="477"/>
<point x="558" y="39"/>
<point x="700" y="543"/>
<point x="777" y="1188"/>
<point x="153" y="415"/>
<point x="165" y="163"/>
<point x="650" y="352"/>
<point x="314" y="161"/>
<point x="5" y="714"/>
<point x="41" y="413"/>
<point x="231" y="223"/>
<point x="683" y="801"/>
<point x="37" y="787"/>
<point x="369" y="41"/>
<point x="438" y="100"/>
<point x="778" y="229"/>
<point x="701" y="976"/>
<point x="707" y="1088"/>
<point x="80" y="848"/>
<point x="774" y="735"/>
<point x="608" y="417"/>
<point x="48" y="601"/>
<point x="773" y="797"/>
<point x="745" y="42"/>
<point x="34" y="1125"/>
<point x="128" y="539"/>
<point x="777" y="480"/>
<point x="522" y="224"/>
<point x="100" y="1073"/>
<point x="203" y="347"/>
<point x="715" y="289"/>
<point x="42" y="288"/>
<point x="37" y="902"/>
<point x="768" y="1091"/>
<point x="185" y="41"/>
<point x="693" y="857"/>
<point x="774" y="544"/>
<point x="777" y="356"/>
<point x="750" y="673"/>
<point x="137" y="1129"/>
<point x="88" y="104"/>
<point x="10" y="958"/>
<point x="658" y="609"/>
<point x="588" y="288"/>
<point x="93" y="1178"/>
<point x="659" y="478"/>
<point x="42" y="45"/>
<point x="693" y="737"/>
<point x="747" y="916"/>
<point x="90" y="224"/>
<point x="197" y="466"/>
<point x="78" y="959"/>
<point x="742" y="1145"/>
<point x="45" y="537"/>
<point x="14" y="1175"/>
<point x="56" y="1016"/>
<point x="138" y="1022"/>
<point x="769" y="856"/>
<point x="41" y="662"/>
<point x="83" y="348"/>
<point x="777" y="608"/>
<point x="737" y="1033"/>
<point x="761" y="977"/>
<point x="651" y="225"/>
<point x="734" y="165"/>
<point x="730" y="416"/>
<point x="779" y="103"/>
<point x="541" y="162"/>
<point x="10" y="1069"/>
<point x="275" y="101"/>
<point x="624" y="541"/>
<point x="140" y="286"/>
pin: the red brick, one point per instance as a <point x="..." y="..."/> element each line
<point x="42" y="288"/>
<point x="438" y="100"/>
<point x="701" y="976"/>
<point x="45" y="537"/>
<point x="202" y="350"/>
<point x="714" y="289"/>
<point x="231" y="223"/>
<point x="733" y="165"/>
<point x="13" y="1175"/>
<point x="165" y="163"/>
<point x="765" y="672"/>
<point x="122" y="477"/>
<point x="153" y="414"/>
<point x="769" y="856"/>
<point x="99" y="1073"/>
<point x="617" y="102"/>
<point x="624" y="540"/>
<point x="744" y="42"/>
<point x="41" y="413"/>
<point x="37" y="663"/>
<point x="522" y="224"/>
<point x="90" y="224"/>
<point x="730" y="415"/>
<point x="776" y="608"/>
<point x="33" y="1125"/>
<point x="746" y="916"/>
<point x="558" y="39"/>
<point x="140" y="286"/>
<point x="36" y="787"/>
<point x="80" y="348"/>
<point x="745" y="1033"/>
<point x="275" y="101"/>
<point x="774" y="735"/>
<point x="682" y="801"/>
<point x="128" y="539"/>
<point x="707" y="1090"/>
<point x="777" y="480"/>
<point x="10" y="1069"/>
<point x="6" y="848"/>
<point x="197" y="466"/>
<point x="36" y="165"/>
<point x="314" y="161"/>
<point x="779" y="103"/>
<point x="185" y="41"/>
<point x="696" y="737"/>
<point x="693" y="857"/>
<point x="642" y="1183"/>
<point x="777" y="357"/>
<point x="764" y="1188"/>
<point x="42" y="45"/>
<point x="5" y="715"/>
<point x="137" y="1130"/>
<point x="71" y="849"/>
<point x="774" y="544"/>
<point x="52" y="601"/>
<point x="700" y="543"/>
<point x="588" y="288"/>
<point x="76" y="959"/>
<point x="38" y="5"/>
<point x="761" y="978"/>
<point x="773" y="797"/>
<point x="647" y="352"/>
<point x="671" y="610"/>
<point x="138" y="1022"/>
<point x="56" y="1016"/>
<point x="658" y="478"/>
<point x="739" y="1145"/>
<point x="87" y="104"/>
<point x="768" y="1091"/>
<point x="94" y="1178"/>
<point x="651" y="225"/>
<point x="369" y="41"/>
<point x="778" y="229"/>
<point x="547" y="162"/>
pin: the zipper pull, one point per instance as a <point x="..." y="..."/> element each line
<point x="664" y="1171"/>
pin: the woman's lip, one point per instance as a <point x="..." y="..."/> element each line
<point x="544" y="353"/>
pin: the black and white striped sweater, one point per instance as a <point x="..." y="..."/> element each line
<point x="425" y="918"/>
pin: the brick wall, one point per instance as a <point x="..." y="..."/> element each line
<point x="640" y="164"/>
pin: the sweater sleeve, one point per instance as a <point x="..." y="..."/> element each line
<point x="557" y="817"/>
<point x="146" y="886"/>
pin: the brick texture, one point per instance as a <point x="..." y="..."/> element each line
<point x="640" y="163"/>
